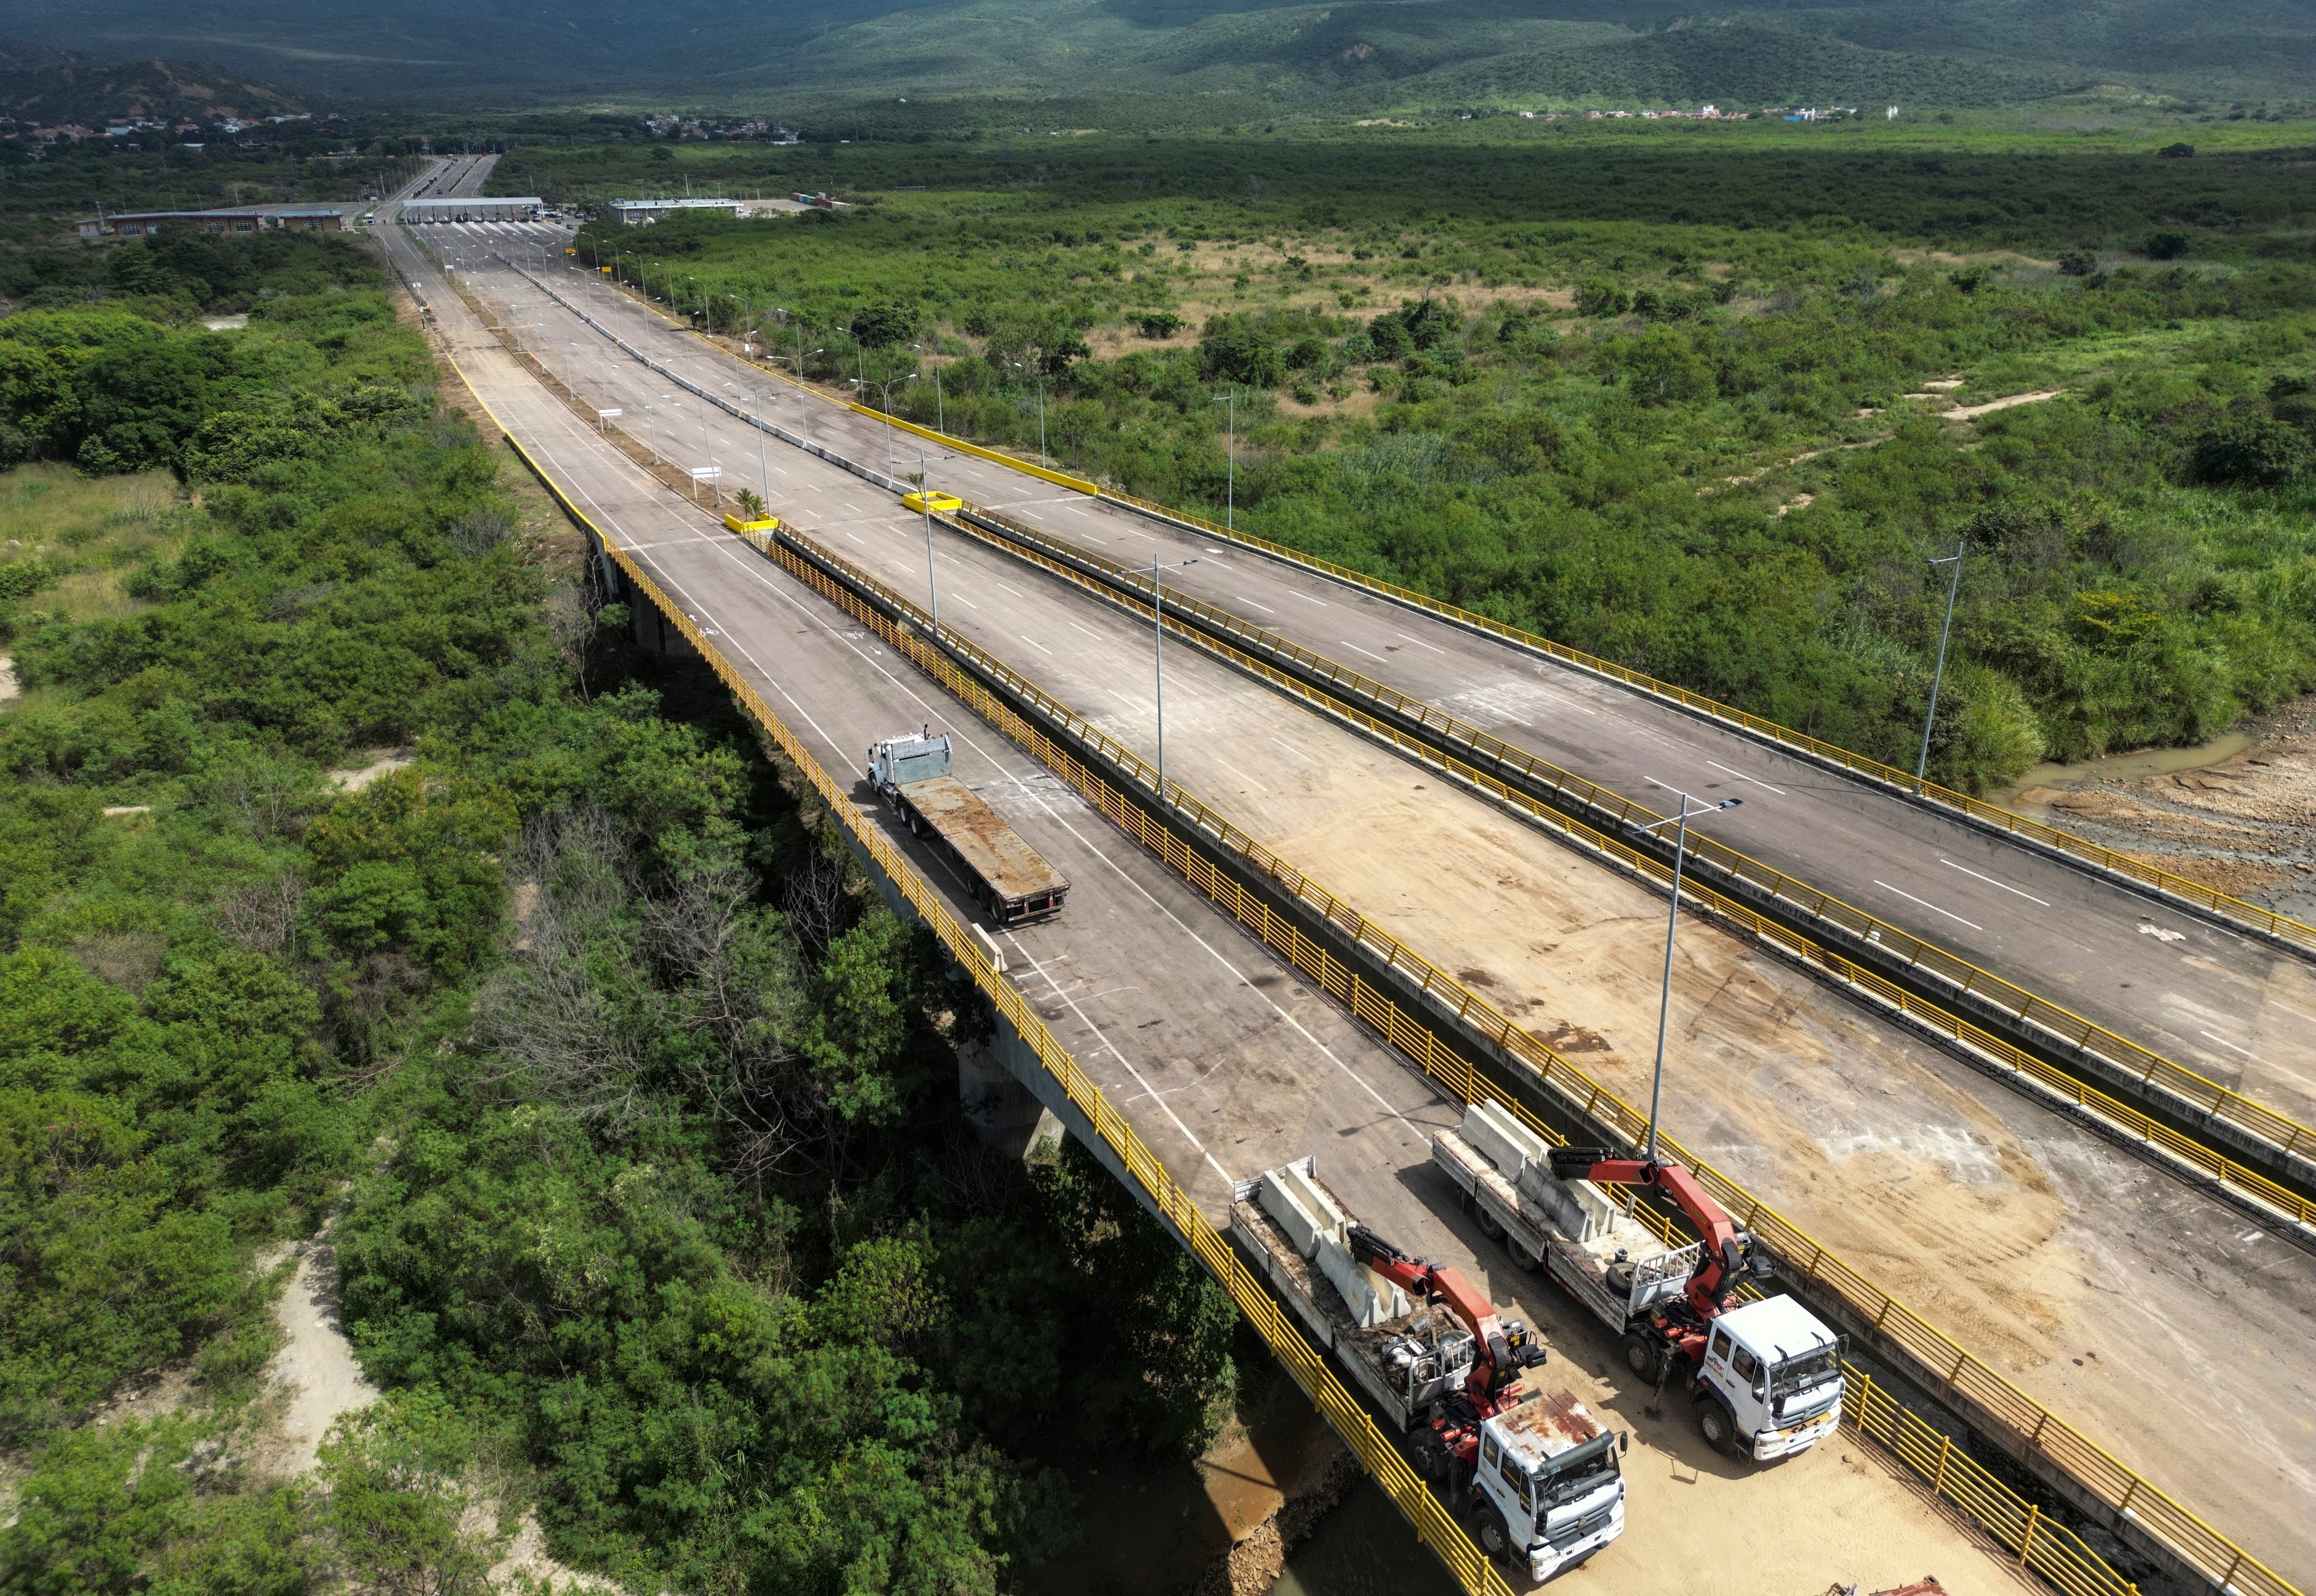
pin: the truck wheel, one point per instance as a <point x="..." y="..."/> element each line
<point x="1641" y="1356"/>
<point x="1528" y="1262"/>
<point x="1430" y="1457"/>
<point x="1490" y="1226"/>
<point x="1489" y="1529"/>
<point x="1718" y="1426"/>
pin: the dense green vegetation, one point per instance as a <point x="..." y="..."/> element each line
<point x="42" y="265"/>
<point x="634" y="1110"/>
<point x="1657" y="394"/>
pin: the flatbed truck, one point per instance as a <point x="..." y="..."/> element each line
<point x="1003" y="874"/>
<point x="1540" y="1478"/>
<point x="1764" y="1376"/>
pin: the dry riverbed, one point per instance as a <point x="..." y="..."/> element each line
<point x="2239" y="822"/>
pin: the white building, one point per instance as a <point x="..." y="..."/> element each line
<point x="636" y="212"/>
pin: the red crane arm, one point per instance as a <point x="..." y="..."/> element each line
<point x="1723" y="1261"/>
<point x="1466" y="1301"/>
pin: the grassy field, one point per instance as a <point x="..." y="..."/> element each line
<point x="1704" y="399"/>
<point x="88" y="533"/>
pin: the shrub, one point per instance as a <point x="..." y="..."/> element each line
<point x="881" y="326"/>
<point x="1388" y="334"/>
<point x="1600" y="297"/>
<point x="2166" y="246"/>
<point x="2254" y="453"/>
<point x="1233" y="351"/>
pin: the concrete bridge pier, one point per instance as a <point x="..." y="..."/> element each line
<point x="1005" y="1113"/>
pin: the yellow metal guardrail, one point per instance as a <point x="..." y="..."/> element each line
<point x="1943" y="1361"/>
<point x="2283" y="927"/>
<point x="2187" y="1149"/>
<point x="1079" y="483"/>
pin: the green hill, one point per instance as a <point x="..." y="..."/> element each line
<point x="774" y="54"/>
<point x="47" y="85"/>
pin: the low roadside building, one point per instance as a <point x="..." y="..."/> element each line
<point x="241" y="218"/>
<point x="635" y="213"/>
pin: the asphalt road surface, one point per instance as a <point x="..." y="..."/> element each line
<point x="2020" y="1220"/>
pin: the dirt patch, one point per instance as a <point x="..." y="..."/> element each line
<point x="314" y="1366"/>
<point x="2240" y="825"/>
<point x="1972" y="412"/>
<point x="524" y="1564"/>
<point x="377" y="762"/>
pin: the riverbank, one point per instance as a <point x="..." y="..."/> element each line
<point x="2234" y="815"/>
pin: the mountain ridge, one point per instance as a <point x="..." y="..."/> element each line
<point x="1381" y="52"/>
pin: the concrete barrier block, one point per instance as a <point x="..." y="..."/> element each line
<point x="1500" y="1139"/>
<point x="1304" y="1211"/>
<point x="1578" y="1210"/>
<point x="1370" y="1297"/>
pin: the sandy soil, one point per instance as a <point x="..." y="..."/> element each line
<point x="2242" y="825"/>
<point x="376" y="763"/>
<point x="1972" y="412"/>
<point x="315" y="1367"/>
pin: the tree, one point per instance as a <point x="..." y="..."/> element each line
<point x="1388" y="333"/>
<point x="1599" y="297"/>
<point x="1233" y="351"/>
<point x="880" y="326"/>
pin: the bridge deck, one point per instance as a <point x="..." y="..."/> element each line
<point x="2008" y="1223"/>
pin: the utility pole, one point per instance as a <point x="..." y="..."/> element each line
<point x="1938" y="676"/>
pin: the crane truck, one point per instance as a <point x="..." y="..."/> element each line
<point x="1764" y="1376"/>
<point x="1001" y="873"/>
<point x="1545" y="1486"/>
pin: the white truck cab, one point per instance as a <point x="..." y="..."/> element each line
<point x="1549" y="1489"/>
<point x="1771" y="1380"/>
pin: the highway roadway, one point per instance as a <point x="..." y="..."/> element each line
<point x="1223" y="1061"/>
<point x="2233" y="1007"/>
<point x="1998" y="1219"/>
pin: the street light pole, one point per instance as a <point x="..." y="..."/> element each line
<point x="941" y="412"/>
<point x="1230" y="490"/>
<point x="763" y="470"/>
<point x="1938" y="676"/>
<point x="1158" y="660"/>
<point x="925" y="503"/>
<point x="1673" y="924"/>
